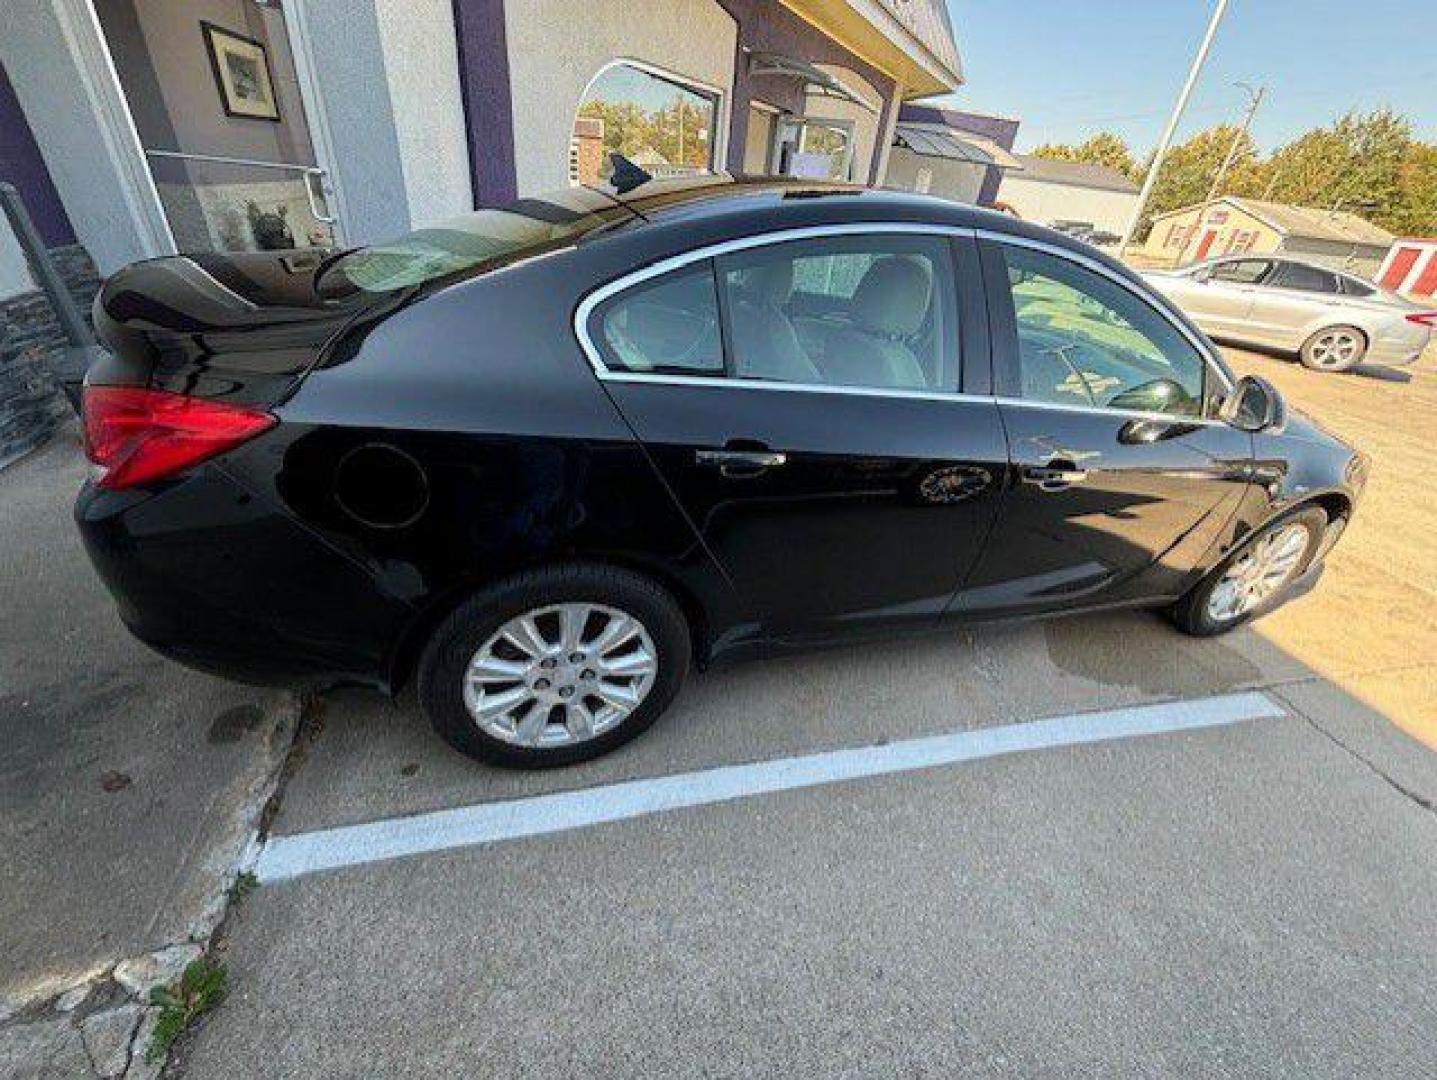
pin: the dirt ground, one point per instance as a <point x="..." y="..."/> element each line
<point x="1376" y="608"/>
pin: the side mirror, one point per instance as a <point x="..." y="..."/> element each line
<point x="1254" y="405"/>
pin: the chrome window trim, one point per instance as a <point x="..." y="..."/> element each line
<point x="1099" y="410"/>
<point x="722" y="383"/>
<point x="585" y="310"/>
<point x="1144" y="291"/>
<point x="586" y="307"/>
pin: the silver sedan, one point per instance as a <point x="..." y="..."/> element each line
<point x="1332" y="320"/>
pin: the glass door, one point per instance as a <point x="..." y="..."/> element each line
<point x="813" y="148"/>
<point x="212" y="89"/>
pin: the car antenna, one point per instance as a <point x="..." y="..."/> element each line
<point x="626" y="175"/>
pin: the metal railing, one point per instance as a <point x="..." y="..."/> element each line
<point x="310" y="173"/>
<point x="67" y="367"/>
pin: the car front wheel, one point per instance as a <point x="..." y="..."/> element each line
<point x="554" y="666"/>
<point x="1252" y="580"/>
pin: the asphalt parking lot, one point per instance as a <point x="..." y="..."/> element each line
<point x="1247" y="898"/>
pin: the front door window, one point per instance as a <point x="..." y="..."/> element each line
<point x="218" y="110"/>
<point x="1085" y="340"/>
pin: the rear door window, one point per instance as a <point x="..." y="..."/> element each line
<point x="1304" y="278"/>
<point x="869" y="311"/>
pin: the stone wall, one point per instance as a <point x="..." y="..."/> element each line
<point x="30" y="400"/>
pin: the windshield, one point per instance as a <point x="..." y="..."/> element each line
<point x="480" y="240"/>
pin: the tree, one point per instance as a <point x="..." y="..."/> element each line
<point x="1367" y="163"/>
<point x="1360" y="163"/>
<point x="1104" y="148"/>
<point x="1190" y="168"/>
<point x="1414" y="211"/>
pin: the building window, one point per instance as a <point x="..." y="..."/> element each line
<point x="816" y="149"/>
<point x="758" y="139"/>
<point x="662" y="125"/>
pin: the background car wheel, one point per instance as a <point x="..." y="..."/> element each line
<point x="1334" y="348"/>
<point x="554" y="666"/>
<point x="1251" y="581"/>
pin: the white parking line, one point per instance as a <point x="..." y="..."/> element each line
<point x="285" y="857"/>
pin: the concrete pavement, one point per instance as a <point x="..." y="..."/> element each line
<point x="128" y="784"/>
<point x="1246" y="901"/>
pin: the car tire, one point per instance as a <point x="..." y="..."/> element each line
<point x="464" y="671"/>
<point x="1334" y="348"/>
<point x="1204" y="613"/>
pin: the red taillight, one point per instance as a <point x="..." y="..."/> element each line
<point x="1424" y="318"/>
<point x="138" y="435"/>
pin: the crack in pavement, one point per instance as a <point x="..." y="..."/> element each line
<point x="1402" y="789"/>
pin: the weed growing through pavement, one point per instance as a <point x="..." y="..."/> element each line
<point x="199" y="989"/>
<point x="244" y="883"/>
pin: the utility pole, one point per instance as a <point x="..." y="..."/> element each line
<point x="1254" y="100"/>
<point x="1163" y="143"/>
<point x="1271" y="184"/>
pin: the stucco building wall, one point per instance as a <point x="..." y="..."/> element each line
<point x="422" y="73"/>
<point x="1041" y="201"/>
<point x="961" y="181"/>
<point x="38" y="51"/>
<point x="556" y="47"/>
<point x="388" y="75"/>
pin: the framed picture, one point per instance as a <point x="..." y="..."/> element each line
<point x="242" y="73"/>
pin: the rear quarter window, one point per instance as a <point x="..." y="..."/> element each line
<point x="666" y="326"/>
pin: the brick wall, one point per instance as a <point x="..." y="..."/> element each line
<point x="30" y="401"/>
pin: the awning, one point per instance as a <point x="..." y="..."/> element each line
<point x="941" y="141"/>
<point x="813" y="78"/>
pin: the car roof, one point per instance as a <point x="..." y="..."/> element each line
<point x="704" y="208"/>
<point x="1276" y="257"/>
<point x="619" y="230"/>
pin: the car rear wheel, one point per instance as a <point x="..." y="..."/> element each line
<point x="1253" y="579"/>
<point x="554" y="666"/>
<point x="1334" y="348"/>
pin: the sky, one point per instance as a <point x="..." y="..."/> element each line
<point x="1070" y="69"/>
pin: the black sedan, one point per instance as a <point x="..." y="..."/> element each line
<point x="542" y="459"/>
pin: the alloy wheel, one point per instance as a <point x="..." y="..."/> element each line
<point x="1259" y="573"/>
<point x="1335" y="349"/>
<point x="560" y="675"/>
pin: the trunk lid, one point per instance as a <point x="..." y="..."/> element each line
<point x="241" y="327"/>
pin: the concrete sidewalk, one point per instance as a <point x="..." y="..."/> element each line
<point x="128" y="785"/>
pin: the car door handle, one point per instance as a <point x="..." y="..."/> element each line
<point x="1056" y="475"/>
<point x="741" y="462"/>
